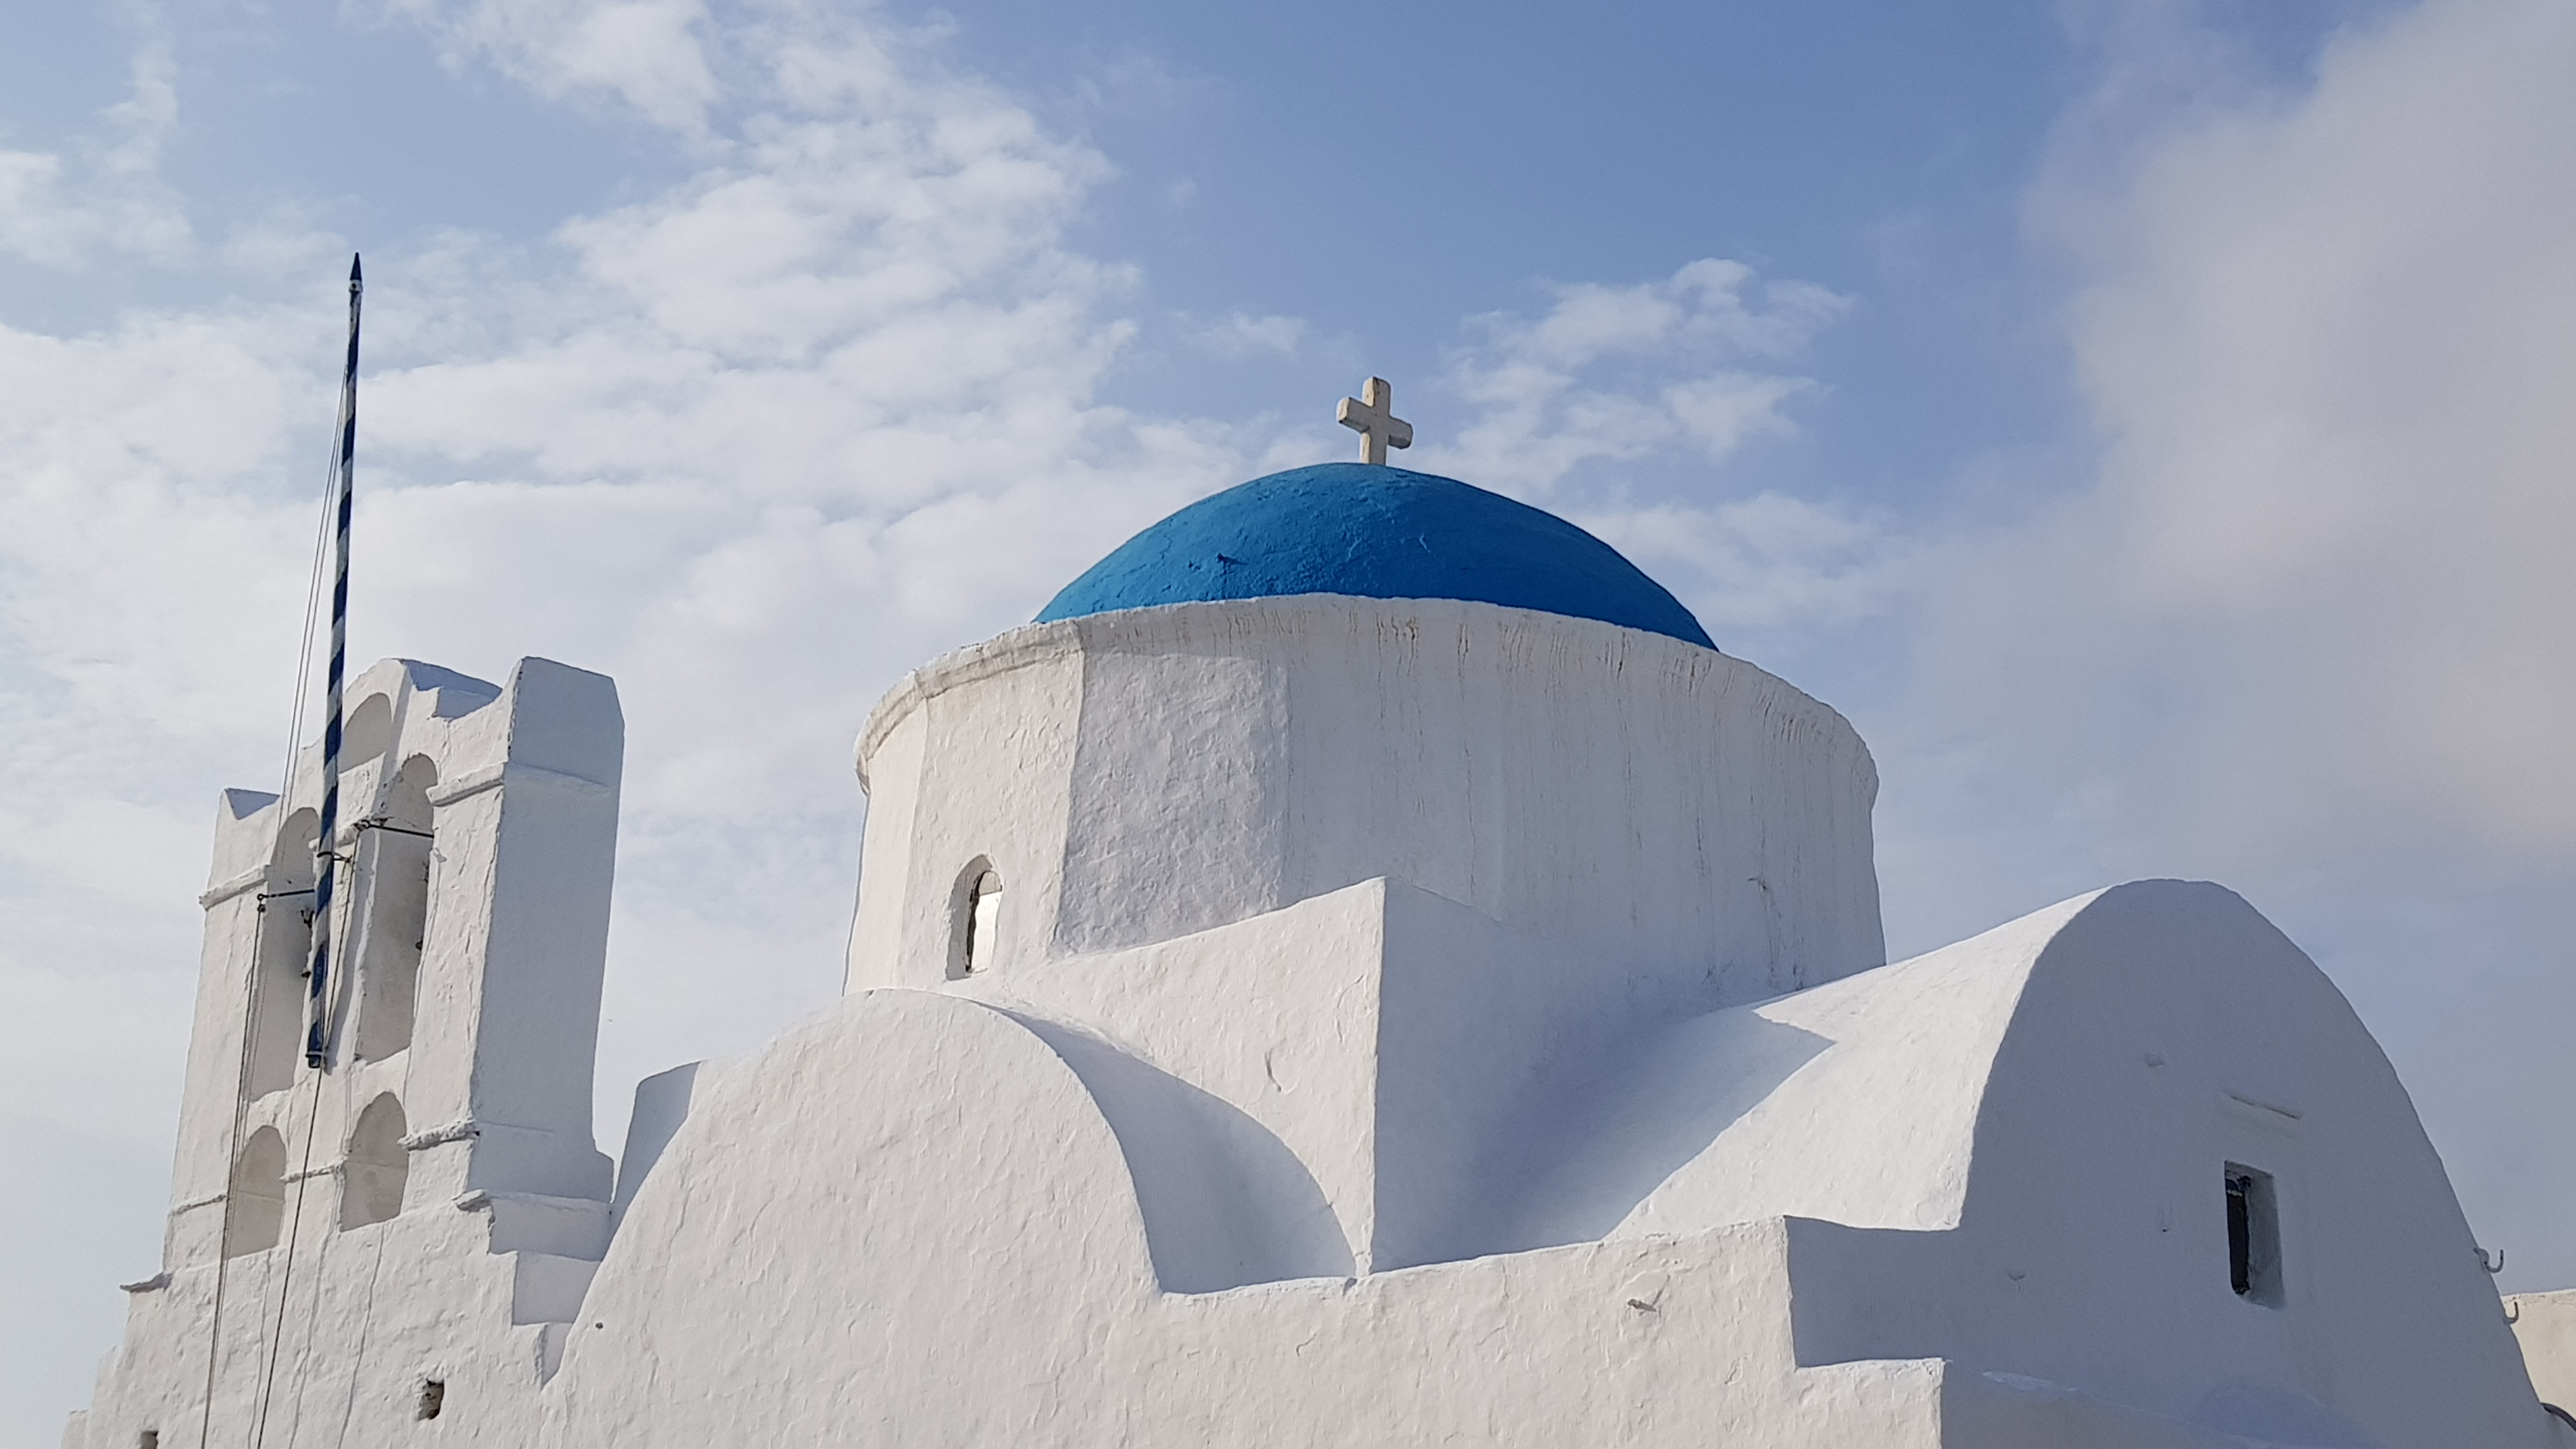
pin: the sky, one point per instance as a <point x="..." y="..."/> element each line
<point x="2147" y="421"/>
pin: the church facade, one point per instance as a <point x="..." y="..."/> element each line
<point x="1362" y="968"/>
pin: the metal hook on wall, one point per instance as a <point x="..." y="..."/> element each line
<point x="2492" y="1268"/>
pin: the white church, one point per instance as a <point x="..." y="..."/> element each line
<point x="1362" y="968"/>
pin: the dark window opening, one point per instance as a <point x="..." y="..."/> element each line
<point x="148" y="1439"/>
<point x="433" y="1397"/>
<point x="2240" y="1238"/>
<point x="2253" y="1236"/>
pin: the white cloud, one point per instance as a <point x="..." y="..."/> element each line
<point x="1240" y="334"/>
<point x="1619" y="373"/>
<point x="647" y="53"/>
<point x="1767" y="562"/>
<point x="107" y="197"/>
<point x="2331" y="346"/>
<point x="1682" y="370"/>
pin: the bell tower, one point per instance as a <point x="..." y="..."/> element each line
<point x="472" y="913"/>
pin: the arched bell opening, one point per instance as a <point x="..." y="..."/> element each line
<point x="282" y="956"/>
<point x="396" y="855"/>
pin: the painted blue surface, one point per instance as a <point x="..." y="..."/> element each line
<point x="1375" y="533"/>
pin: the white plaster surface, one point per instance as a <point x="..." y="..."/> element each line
<point x="1689" y="823"/>
<point x="1411" y="1023"/>
<point x="2545" y="1325"/>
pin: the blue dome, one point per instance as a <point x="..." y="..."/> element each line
<point x="1375" y="533"/>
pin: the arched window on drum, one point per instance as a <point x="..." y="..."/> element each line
<point x="975" y="919"/>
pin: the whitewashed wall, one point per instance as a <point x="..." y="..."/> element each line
<point x="1660" y="808"/>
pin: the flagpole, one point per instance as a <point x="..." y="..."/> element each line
<point x="317" y="1036"/>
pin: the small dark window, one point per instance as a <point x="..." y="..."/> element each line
<point x="433" y="1397"/>
<point x="148" y="1439"/>
<point x="2253" y="1236"/>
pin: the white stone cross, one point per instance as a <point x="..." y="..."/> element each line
<point x="1372" y="416"/>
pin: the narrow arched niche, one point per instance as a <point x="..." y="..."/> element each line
<point x="397" y="859"/>
<point x="281" y="957"/>
<point x="974" y="919"/>
<point x="377" y="1167"/>
<point x="255" y="1200"/>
